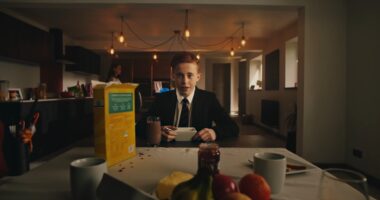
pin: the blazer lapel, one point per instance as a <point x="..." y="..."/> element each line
<point x="195" y="107"/>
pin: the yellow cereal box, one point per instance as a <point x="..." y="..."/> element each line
<point x="114" y="122"/>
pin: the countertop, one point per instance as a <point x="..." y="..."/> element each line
<point x="47" y="100"/>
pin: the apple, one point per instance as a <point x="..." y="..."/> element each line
<point x="222" y="185"/>
<point x="236" y="196"/>
<point x="255" y="186"/>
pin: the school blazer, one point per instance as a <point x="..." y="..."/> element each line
<point x="206" y="109"/>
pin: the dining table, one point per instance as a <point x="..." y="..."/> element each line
<point x="51" y="180"/>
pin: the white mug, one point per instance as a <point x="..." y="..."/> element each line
<point x="272" y="167"/>
<point x="85" y="176"/>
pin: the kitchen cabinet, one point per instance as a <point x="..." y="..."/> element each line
<point x="142" y="69"/>
<point x="61" y="123"/>
<point x="22" y="42"/>
<point x="84" y="60"/>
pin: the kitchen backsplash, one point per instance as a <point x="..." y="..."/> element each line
<point x="20" y="75"/>
<point x="26" y="76"/>
<point x="71" y="78"/>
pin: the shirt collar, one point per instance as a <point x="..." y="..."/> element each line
<point x="189" y="98"/>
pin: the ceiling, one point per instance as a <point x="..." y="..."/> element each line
<point x="91" y="25"/>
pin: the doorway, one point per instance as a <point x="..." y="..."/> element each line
<point x="242" y="86"/>
<point x="222" y="84"/>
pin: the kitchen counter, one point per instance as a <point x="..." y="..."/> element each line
<point x="61" y="123"/>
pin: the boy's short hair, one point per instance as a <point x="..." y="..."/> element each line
<point x="183" y="57"/>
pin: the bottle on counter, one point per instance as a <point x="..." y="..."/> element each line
<point x="4" y="86"/>
<point x="41" y="91"/>
<point x="200" y="186"/>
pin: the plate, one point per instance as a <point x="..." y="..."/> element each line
<point x="296" y="167"/>
<point x="293" y="166"/>
<point x="185" y="133"/>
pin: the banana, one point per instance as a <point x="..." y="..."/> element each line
<point x="197" y="188"/>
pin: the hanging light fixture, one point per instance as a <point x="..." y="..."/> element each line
<point x="121" y="36"/>
<point x="232" y="52"/>
<point x="187" y="31"/>
<point x="242" y="42"/>
<point x="112" y="50"/>
<point x="155" y="57"/>
<point x="198" y="56"/>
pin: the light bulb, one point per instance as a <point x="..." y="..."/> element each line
<point x="232" y="52"/>
<point x="243" y="41"/>
<point x="121" y="37"/>
<point x="154" y="56"/>
<point x="187" y="33"/>
<point x="112" y="51"/>
<point x="198" y="56"/>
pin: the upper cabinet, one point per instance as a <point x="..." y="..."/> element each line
<point x="23" y="42"/>
<point x="84" y="60"/>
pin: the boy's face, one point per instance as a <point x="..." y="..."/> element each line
<point x="186" y="76"/>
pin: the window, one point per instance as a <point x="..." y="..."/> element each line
<point x="291" y="63"/>
<point x="256" y="73"/>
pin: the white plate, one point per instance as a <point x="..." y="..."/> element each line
<point x="185" y="133"/>
<point x="294" y="166"/>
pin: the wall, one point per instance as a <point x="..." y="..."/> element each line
<point x="291" y="59"/>
<point x="287" y="98"/>
<point x="363" y="96"/>
<point x="202" y="82"/>
<point x="71" y="78"/>
<point x="234" y="62"/>
<point x="20" y="75"/>
<point x="324" y="87"/>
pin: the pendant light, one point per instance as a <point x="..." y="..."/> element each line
<point x="112" y="50"/>
<point x="187" y="31"/>
<point x="232" y="52"/>
<point x="121" y="36"/>
<point x="242" y="42"/>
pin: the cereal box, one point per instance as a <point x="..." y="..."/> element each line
<point x="114" y="122"/>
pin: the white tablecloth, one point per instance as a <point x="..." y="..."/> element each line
<point x="51" y="180"/>
<point x="151" y="164"/>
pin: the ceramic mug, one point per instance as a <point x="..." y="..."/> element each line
<point x="272" y="167"/>
<point x="85" y="176"/>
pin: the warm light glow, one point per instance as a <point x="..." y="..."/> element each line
<point x="242" y="42"/>
<point x="155" y="57"/>
<point x="187" y="33"/>
<point x="121" y="38"/>
<point x="198" y="56"/>
<point x="232" y="52"/>
<point x="112" y="50"/>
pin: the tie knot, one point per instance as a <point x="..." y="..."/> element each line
<point x="185" y="101"/>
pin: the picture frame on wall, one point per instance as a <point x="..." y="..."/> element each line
<point x="15" y="94"/>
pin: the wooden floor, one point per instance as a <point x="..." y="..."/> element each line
<point x="264" y="137"/>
